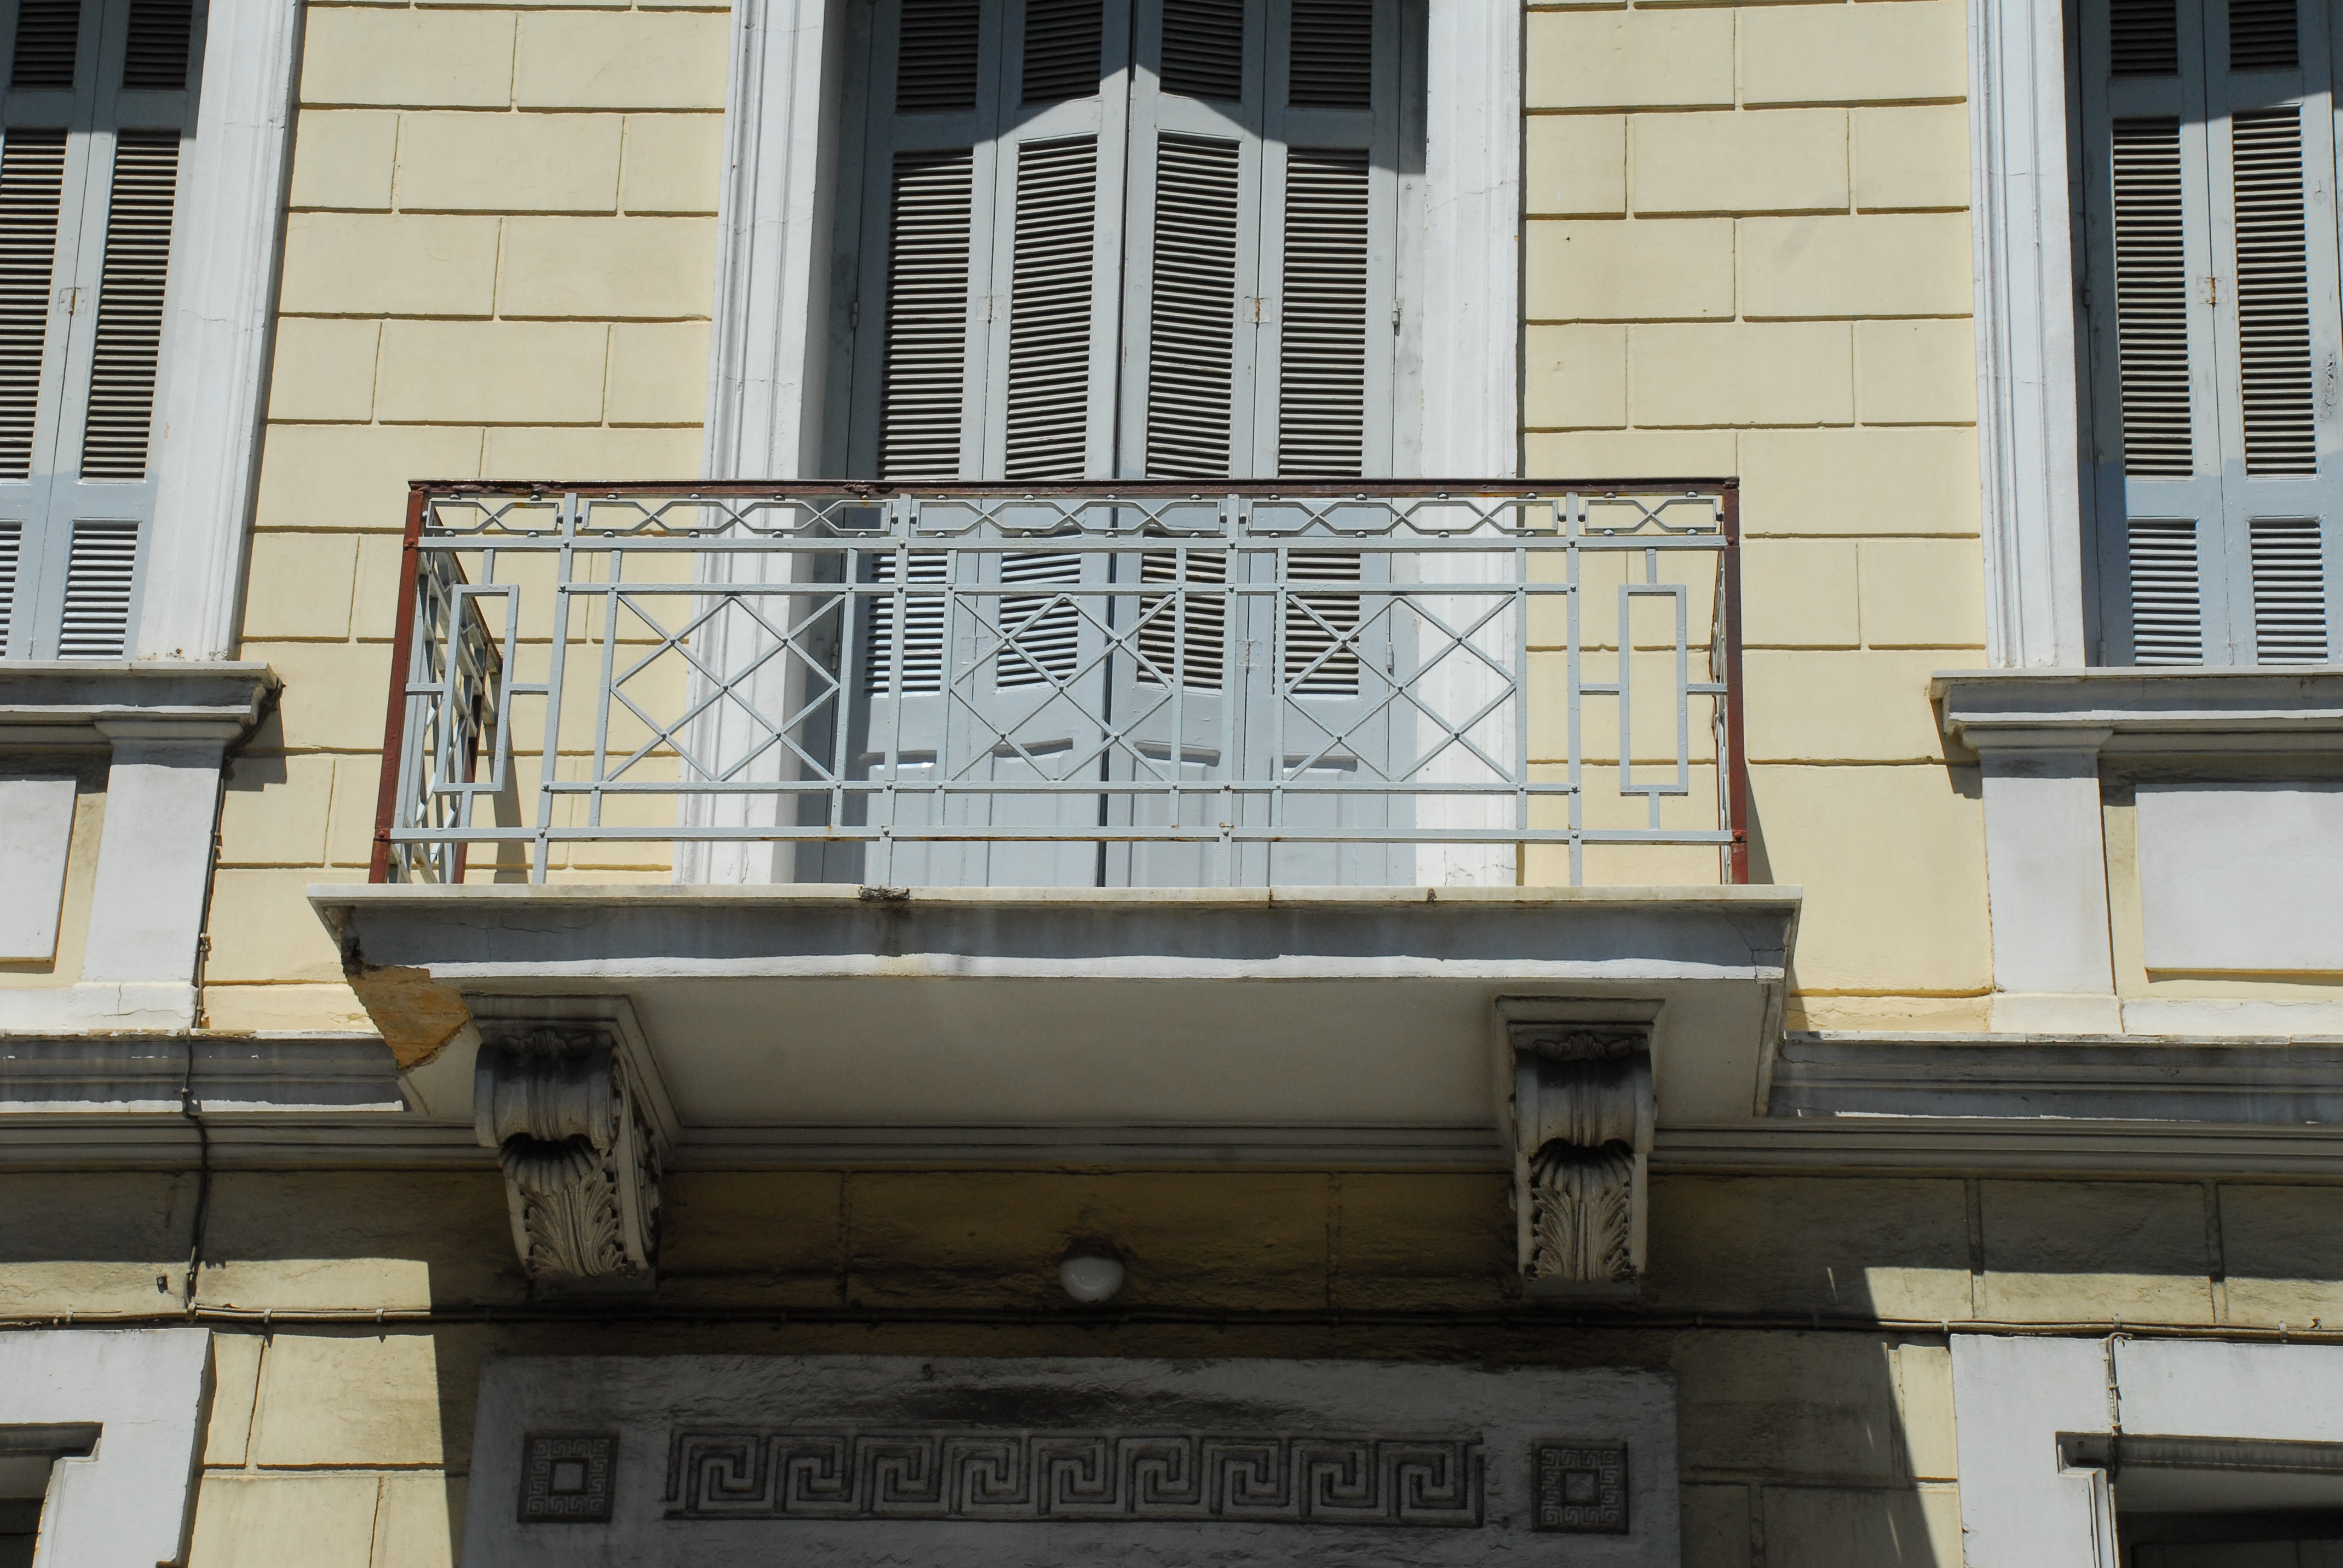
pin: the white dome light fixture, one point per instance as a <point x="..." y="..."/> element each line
<point x="1091" y="1272"/>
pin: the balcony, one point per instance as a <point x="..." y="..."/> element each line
<point x="1107" y="822"/>
<point x="1103" y="685"/>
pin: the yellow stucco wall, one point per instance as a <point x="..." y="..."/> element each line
<point x="500" y="261"/>
<point x="1748" y="253"/>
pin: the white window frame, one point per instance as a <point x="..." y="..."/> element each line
<point x="146" y="1390"/>
<point x="769" y="355"/>
<point x="2026" y="213"/>
<point x="2021" y="221"/>
<point x="772" y="291"/>
<point x="220" y="313"/>
<point x="2011" y="1398"/>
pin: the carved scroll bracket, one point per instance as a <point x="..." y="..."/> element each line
<point x="1580" y="1111"/>
<point x="575" y="1117"/>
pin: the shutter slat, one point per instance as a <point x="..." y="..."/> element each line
<point x="1041" y="634"/>
<point x="922" y="640"/>
<point x="129" y="339"/>
<point x="2290" y="591"/>
<point x="1313" y="622"/>
<point x="1063" y="40"/>
<point x="48" y="40"/>
<point x="1192" y="332"/>
<point x="2274" y="377"/>
<point x="2144" y="38"/>
<point x="2166" y="602"/>
<point x="926" y="316"/>
<point x="155" y="57"/>
<point x="1323" y="334"/>
<point x="1194" y="659"/>
<point x="12" y="554"/>
<point x="99" y="581"/>
<point x="2262" y="35"/>
<point x="2152" y="299"/>
<point x="32" y="182"/>
<point x="1203" y="48"/>
<point x="936" y="56"/>
<point x="1048" y="402"/>
<point x="1334" y="54"/>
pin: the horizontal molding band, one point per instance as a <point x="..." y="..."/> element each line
<point x="632" y="1310"/>
<point x="1847" y="1146"/>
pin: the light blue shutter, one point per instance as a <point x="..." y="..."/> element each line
<point x="998" y="258"/>
<point x="1324" y="410"/>
<point x="98" y="104"/>
<point x="1263" y="219"/>
<point x="2218" y="334"/>
<point x="1188" y="341"/>
<point x="1141" y="237"/>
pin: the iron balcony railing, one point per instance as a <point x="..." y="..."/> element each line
<point x="1108" y="683"/>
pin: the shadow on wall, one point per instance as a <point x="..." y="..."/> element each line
<point x="1820" y="1446"/>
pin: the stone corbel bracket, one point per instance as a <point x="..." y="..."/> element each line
<point x="1582" y="1111"/>
<point x="568" y="1097"/>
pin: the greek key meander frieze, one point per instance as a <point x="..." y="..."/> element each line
<point x="1091" y="1476"/>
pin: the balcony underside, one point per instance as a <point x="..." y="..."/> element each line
<point x="804" y="1019"/>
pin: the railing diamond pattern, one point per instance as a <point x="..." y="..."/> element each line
<point x="651" y="676"/>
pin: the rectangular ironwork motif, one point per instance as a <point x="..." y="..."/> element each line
<point x="1254" y="1478"/>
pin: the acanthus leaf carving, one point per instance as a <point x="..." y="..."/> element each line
<point x="581" y="1164"/>
<point x="1582" y="1112"/>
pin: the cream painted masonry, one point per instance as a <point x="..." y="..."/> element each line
<point x="499" y="259"/>
<point x="458" y="167"/>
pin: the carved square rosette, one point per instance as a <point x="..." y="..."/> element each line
<point x="566" y="1477"/>
<point x="1582" y="1488"/>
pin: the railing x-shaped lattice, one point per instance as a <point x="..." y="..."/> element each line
<point x="1142" y="682"/>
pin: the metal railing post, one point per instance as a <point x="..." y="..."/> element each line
<point x="402" y="651"/>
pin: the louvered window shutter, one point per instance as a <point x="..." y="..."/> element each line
<point x="97" y="105"/>
<point x="1118" y="238"/>
<point x="984" y="342"/>
<point x="2217" y="330"/>
<point x="1330" y="227"/>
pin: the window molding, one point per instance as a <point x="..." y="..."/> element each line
<point x="769" y="340"/>
<point x="165" y="729"/>
<point x="1470" y="326"/>
<point x="772" y="306"/>
<point x="146" y="1390"/>
<point x="2041" y="739"/>
<point x="224" y="268"/>
<point x="2028" y="395"/>
<point x="2030" y="1492"/>
<point x="772" y="289"/>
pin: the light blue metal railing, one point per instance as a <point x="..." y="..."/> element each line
<point x="1111" y="683"/>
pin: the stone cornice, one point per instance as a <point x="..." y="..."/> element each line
<point x="84" y="702"/>
<point x="2232" y="1082"/>
<point x="2235" y="708"/>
